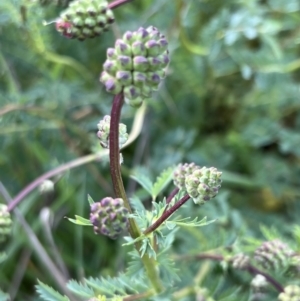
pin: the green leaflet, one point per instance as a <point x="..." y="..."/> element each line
<point x="79" y="220"/>
<point x="80" y="289"/>
<point x="154" y="189"/>
<point x="162" y="181"/>
<point x="48" y="293"/>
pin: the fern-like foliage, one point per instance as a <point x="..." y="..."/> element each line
<point x="110" y="287"/>
<point x="154" y="189"/>
<point x="47" y="293"/>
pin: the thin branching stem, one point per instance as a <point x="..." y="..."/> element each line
<point x="253" y="270"/>
<point x="172" y="195"/>
<point x="115" y="170"/>
<point x="166" y="215"/>
<point x="38" y="247"/>
<point x="54" y="172"/>
<point x="249" y="268"/>
<point x="118" y="3"/>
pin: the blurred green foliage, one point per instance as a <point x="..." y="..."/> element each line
<point x="230" y="100"/>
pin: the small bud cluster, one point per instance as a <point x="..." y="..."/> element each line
<point x="103" y="133"/>
<point x="63" y="3"/>
<point x="240" y="261"/>
<point x="259" y="285"/>
<point x="136" y="65"/>
<point x="273" y="255"/>
<point x="259" y="282"/>
<point x="203" y="184"/>
<point x="5" y="223"/>
<point x="46" y="187"/>
<point x="291" y="293"/>
<point x="85" y="19"/>
<point x="109" y="217"/>
<point x="180" y="173"/>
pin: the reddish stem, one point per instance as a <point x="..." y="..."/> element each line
<point x="118" y="3"/>
<point x="253" y="270"/>
<point x="171" y="196"/>
<point x="114" y="151"/>
<point x="38" y="181"/>
<point x="250" y="268"/>
<point x="166" y="214"/>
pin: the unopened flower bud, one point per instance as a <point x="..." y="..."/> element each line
<point x="181" y="172"/>
<point x="240" y="261"/>
<point x="84" y="19"/>
<point x="203" y="184"/>
<point x="124" y="77"/>
<point x="122" y="48"/>
<point x="273" y="255"/>
<point x="144" y="54"/>
<point x="47" y="186"/>
<point x="109" y="217"/>
<point x="103" y="132"/>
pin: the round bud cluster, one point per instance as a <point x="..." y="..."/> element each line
<point x="259" y="285"/>
<point x="109" y="217"/>
<point x="103" y="133"/>
<point x="46" y="187"/>
<point x="290" y="293"/>
<point x="136" y="65"/>
<point x="203" y="184"/>
<point x="63" y="3"/>
<point x="273" y="255"/>
<point x="259" y="282"/>
<point x="240" y="261"/>
<point x="180" y="173"/>
<point x="5" y="223"/>
<point x="85" y="19"/>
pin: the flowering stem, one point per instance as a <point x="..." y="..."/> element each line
<point x="250" y="268"/>
<point x="166" y="214"/>
<point x="56" y="171"/>
<point x="115" y="170"/>
<point x="253" y="270"/>
<point x="117" y="3"/>
<point x="114" y="155"/>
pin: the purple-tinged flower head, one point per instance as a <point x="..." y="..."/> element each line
<point x="109" y="217"/>
<point x="103" y="132"/>
<point x="140" y="59"/>
<point x="203" y="184"/>
<point x="273" y="255"/>
<point x="5" y="223"/>
<point x="84" y="19"/>
<point x="181" y="172"/>
<point x="240" y="261"/>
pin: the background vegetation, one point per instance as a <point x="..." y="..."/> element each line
<point x="230" y="100"/>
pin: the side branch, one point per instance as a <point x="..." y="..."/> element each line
<point x="166" y="214"/>
<point x="118" y="3"/>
